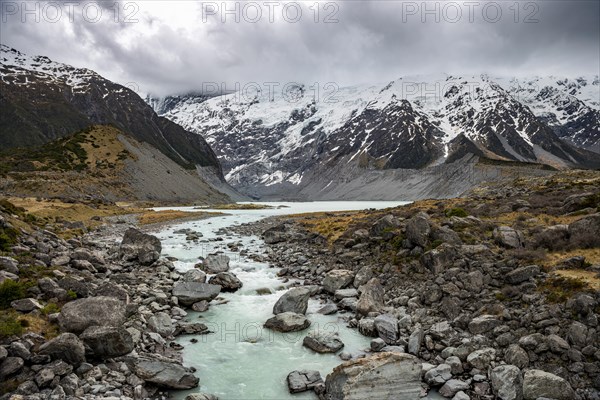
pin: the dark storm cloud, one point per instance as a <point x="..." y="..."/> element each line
<point x="177" y="46"/>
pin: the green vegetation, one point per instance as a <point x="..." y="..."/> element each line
<point x="10" y="325"/>
<point x="559" y="289"/>
<point x="72" y="294"/>
<point x="50" y="308"/>
<point x="456" y="212"/>
<point x="10" y="291"/>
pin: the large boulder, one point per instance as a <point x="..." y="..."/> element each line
<point x="385" y="225"/>
<point x="483" y="323"/>
<point x="387" y="328"/>
<point x="508" y="237"/>
<point x="522" y="274"/>
<point x="165" y="373"/>
<point x="371" y="298"/>
<point x="287" y="322"/>
<point x="274" y="235"/>
<point x="140" y="246"/>
<point x="440" y="258"/>
<point x="194" y="275"/>
<point x="538" y="383"/>
<point x="108" y="341"/>
<point x="381" y="376"/>
<point x="585" y="232"/>
<point x="323" y="342"/>
<point x="79" y="315"/>
<point x="67" y="347"/>
<point x="215" y="263"/>
<point x="301" y="381"/>
<point x="294" y="300"/>
<point x="228" y="281"/>
<point x="188" y="293"/>
<point x="418" y="229"/>
<point x="507" y="382"/>
<point x="337" y="279"/>
<point x="161" y="323"/>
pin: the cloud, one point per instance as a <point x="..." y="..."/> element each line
<point x="175" y="46"/>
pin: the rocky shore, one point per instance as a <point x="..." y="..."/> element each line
<point x="486" y="297"/>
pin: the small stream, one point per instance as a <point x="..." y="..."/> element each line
<point x="243" y="360"/>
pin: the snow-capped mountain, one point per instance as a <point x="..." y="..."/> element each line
<point x="275" y="138"/>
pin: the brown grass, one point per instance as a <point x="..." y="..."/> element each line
<point x="331" y="225"/>
<point x="590" y="278"/>
<point x="40" y="325"/>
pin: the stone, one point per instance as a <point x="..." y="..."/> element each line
<point x="275" y="235"/>
<point x="328" y="309"/>
<point x="415" y="340"/>
<point x="507" y="382"/>
<point x="201" y="396"/>
<point x="164" y="373"/>
<point x="26" y="305"/>
<point x="384" y="225"/>
<point x="9" y="264"/>
<point x="371" y="298"/>
<point x="585" y="232"/>
<point x="455" y="365"/>
<point x="481" y="359"/>
<point x="483" y="324"/>
<point x="110" y="289"/>
<point x="200" y="306"/>
<point x="577" y="334"/>
<point x="348" y="303"/>
<point x="304" y="380"/>
<point x="191" y="328"/>
<point x="452" y="387"/>
<point x="67" y="347"/>
<point x="140" y="246"/>
<point x="287" y="322"/>
<point x="194" y="275"/>
<point x="538" y="383"/>
<point x="439" y="259"/>
<point x="10" y="366"/>
<point x="557" y="344"/>
<point x="377" y="344"/>
<point x="387" y="328"/>
<point x="380" y="376"/>
<point x="161" y="323"/>
<point x="461" y="396"/>
<point x="188" y="293"/>
<point x="76" y="316"/>
<point x="337" y="279"/>
<point x="439" y="375"/>
<point x="366" y="327"/>
<point x="522" y="274"/>
<point x="323" y="342"/>
<point x="345" y="293"/>
<point x="18" y="349"/>
<point x="44" y="377"/>
<point x="418" y="229"/>
<point x="508" y="237"/>
<point x="215" y="263"/>
<point x="515" y="355"/>
<point x="364" y="275"/>
<point x="294" y="300"/>
<point x="228" y="281"/>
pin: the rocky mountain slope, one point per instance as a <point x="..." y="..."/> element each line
<point x="43" y="100"/>
<point x="276" y="143"/>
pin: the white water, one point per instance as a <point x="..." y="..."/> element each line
<point x="242" y="360"/>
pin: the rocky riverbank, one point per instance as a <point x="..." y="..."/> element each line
<point x="94" y="316"/>
<point x="493" y="296"/>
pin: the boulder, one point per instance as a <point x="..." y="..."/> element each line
<point x="366" y="327"/>
<point x="294" y="300"/>
<point x="538" y="383"/>
<point x="328" y="309"/>
<point x="337" y="279"/>
<point x="188" y="293"/>
<point x="67" y="347"/>
<point x="481" y="359"/>
<point x="380" y="376"/>
<point x="140" y="246"/>
<point x="9" y="264"/>
<point x="79" y="315"/>
<point x="10" y="366"/>
<point x="301" y="381"/>
<point x="275" y="235"/>
<point x="415" y="340"/>
<point x="453" y="386"/>
<point x="439" y="259"/>
<point x="287" y="322"/>
<point x="483" y="323"/>
<point x="165" y="373"/>
<point x="161" y="323"/>
<point x="345" y="293"/>
<point x="228" y="281"/>
<point x="371" y="298"/>
<point x="201" y="396"/>
<point x="515" y="355"/>
<point x="507" y="382"/>
<point x="363" y="276"/>
<point x="522" y="274"/>
<point x="108" y="341"/>
<point x="215" y="263"/>
<point x="444" y="234"/>
<point x="418" y="229"/>
<point x="508" y="237"/>
<point x="585" y="232"/>
<point x="323" y="342"/>
<point x="439" y="375"/>
<point x="387" y="328"/>
<point x="26" y="305"/>
<point x="384" y="225"/>
<point x="110" y="289"/>
<point x="194" y="275"/>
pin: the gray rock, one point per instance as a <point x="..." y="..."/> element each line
<point x="483" y="323"/>
<point x="384" y="225"/>
<point x="275" y="235"/>
<point x="522" y="274"/>
<point x="348" y="303"/>
<point x="452" y="387"/>
<point x="228" y="281"/>
<point x="215" y="263"/>
<point x="461" y="396"/>
<point x="200" y="306"/>
<point x="508" y="237"/>
<point x="67" y="347"/>
<point x="377" y="344"/>
<point x="537" y="383"/>
<point x="577" y="334"/>
<point x="44" y="377"/>
<point x="3" y="353"/>
<point x="371" y="298"/>
<point x="418" y="229"/>
<point x="363" y="276"/>
<point x="415" y="340"/>
<point x="481" y="359"/>
<point x="328" y="309"/>
<point x="337" y="279"/>
<point x="294" y="300"/>
<point x="139" y="246"/>
<point x="515" y="355"/>
<point x="507" y="382"/>
<point x="191" y="328"/>
<point x="79" y="315"/>
<point x="9" y="264"/>
<point x="345" y="293"/>
<point x="323" y="342"/>
<point x="557" y="344"/>
<point x="439" y="259"/>
<point x="10" y="366"/>
<point x="366" y="327"/>
<point x="194" y="275"/>
<point x="166" y="374"/>
<point x="439" y="375"/>
<point x="18" y="349"/>
<point x="161" y="323"/>
<point x="446" y="235"/>
<point x="387" y="328"/>
<point x="585" y="232"/>
<point x="26" y="305"/>
<point x="287" y="322"/>
<point x="110" y="289"/>
<point x="301" y="381"/>
<point x="201" y="396"/>
<point x="189" y="293"/>
<point x="380" y="376"/>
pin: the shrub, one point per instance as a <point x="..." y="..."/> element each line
<point x="50" y="308"/>
<point x="72" y="294"/>
<point x="10" y="291"/>
<point x="10" y="325"/>
<point x="456" y="212"/>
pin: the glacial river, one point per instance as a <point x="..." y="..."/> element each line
<point x="242" y="360"/>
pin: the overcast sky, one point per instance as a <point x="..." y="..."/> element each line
<point x="167" y="47"/>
